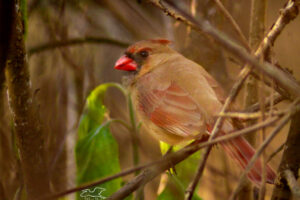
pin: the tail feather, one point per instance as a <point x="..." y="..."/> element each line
<point x="241" y="151"/>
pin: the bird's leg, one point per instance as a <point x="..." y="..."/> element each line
<point x="203" y="138"/>
<point x="171" y="170"/>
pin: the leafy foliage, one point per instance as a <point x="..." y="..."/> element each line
<point x="178" y="181"/>
<point x="96" y="149"/>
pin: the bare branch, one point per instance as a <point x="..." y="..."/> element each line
<point x="259" y="151"/>
<point x="234" y="24"/>
<point x="255" y="107"/>
<point x="172" y="159"/>
<point x="289" y="176"/>
<point x="158" y="162"/>
<point x="280" y="148"/>
<point x="242" y="76"/>
<point x="26" y="119"/>
<point x="234" y="91"/>
<point x="254" y="115"/>
<point x="75" y="41"/>
<point x="288" y="14"/>
<point x="101" y="181"/>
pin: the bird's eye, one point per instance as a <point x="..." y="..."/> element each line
<point x="144" y="54"/>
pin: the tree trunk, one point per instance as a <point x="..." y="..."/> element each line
<point x="27" y="127"/>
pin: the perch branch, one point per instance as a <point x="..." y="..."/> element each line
<point x="75" y="41"/>
<point x="234" y="90"/>
<point x="247" y="130"/>
<point x="288" y="14"/>
<point x="229" y="45"/>
<point x="174" y="158"/>
<point x="101" y="181"/>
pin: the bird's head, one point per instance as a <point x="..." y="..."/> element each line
<point x="139" y="57"/>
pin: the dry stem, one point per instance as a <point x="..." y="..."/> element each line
<point x="288" y="14"/>
<point x="234" y="24"/>
<point x="75" y="41"/>
<point x="259" y="151"/>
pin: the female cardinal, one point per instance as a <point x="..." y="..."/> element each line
<point x="177" y="100"/>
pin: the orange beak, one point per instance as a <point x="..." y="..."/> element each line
<point x="126" y="63"/>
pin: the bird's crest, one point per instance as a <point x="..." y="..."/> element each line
<point x="161" y="41"/>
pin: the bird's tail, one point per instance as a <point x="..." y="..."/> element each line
<point x="241" y="151"/>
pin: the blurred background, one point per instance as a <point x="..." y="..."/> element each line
<point x="63" y="77"/>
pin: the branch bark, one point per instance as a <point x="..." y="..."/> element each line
<point x="290" y="160"/>
<point x="75" y="41"/>
<point x="234" y="24"/>
<point x="27" y="127"/>
<point x="172" y="159"/>
<point x="289" y="13"/>
<point x="189" y="148"/>
<point x="293" y="110"/>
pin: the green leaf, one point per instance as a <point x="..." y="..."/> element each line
<point x="97" y="153"/>
<point x="177" y="183"/>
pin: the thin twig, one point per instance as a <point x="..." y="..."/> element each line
<point x="132" y="170"/>
<point x="280" y="148"/>
<point x="277" y="98"/>
<point x="288" y="14"/>
<point x="292" y="182"/>
<point x="253" y="115"/>
<point x="101" y="181"/>
<point x="204" y="26"/>
<point x="240" y="132"/>
<point x="280" y="125"/>
<point x="234" y="24"/>
<point x="75" y="41"/>
<point x="140" y="178"/>
<point x="236" y="87"/>
<point x="173" y="158"/>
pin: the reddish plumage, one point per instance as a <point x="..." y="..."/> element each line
<point x="178" y="100"/>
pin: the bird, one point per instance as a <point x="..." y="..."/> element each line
<point x="177" y="100"/>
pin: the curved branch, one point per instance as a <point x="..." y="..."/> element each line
<point x="288" y="14"/>
<point x="76" y="41"/>
<point x="164" y="159"/>
<point x="266" y="142"/>
<point x="172" y="159"/>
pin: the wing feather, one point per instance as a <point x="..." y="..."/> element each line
<point x="171" y="108"/>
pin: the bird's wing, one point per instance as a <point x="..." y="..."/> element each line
<point x="169" y="106"/>
<point x="179" y="96"/>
